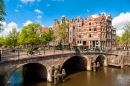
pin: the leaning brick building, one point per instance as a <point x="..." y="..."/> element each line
<point x="91" y="32"/>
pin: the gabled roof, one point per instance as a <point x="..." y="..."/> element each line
<point x="44" y="29"/>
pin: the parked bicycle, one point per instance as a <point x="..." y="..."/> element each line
<point x="34" y="51"/>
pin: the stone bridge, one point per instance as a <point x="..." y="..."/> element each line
<point x="42" y="65"/>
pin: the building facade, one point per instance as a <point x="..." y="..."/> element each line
<point x="93" y="32"/>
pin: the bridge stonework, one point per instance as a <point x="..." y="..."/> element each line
<point x="9" y="67"/>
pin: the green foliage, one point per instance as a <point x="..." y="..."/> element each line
<point x="126" y="35"/>
<point x="63" y="30"/>
<point x="118" y="39"/>
<point x="2" y="10"/>
<point x="125" y="38"/>
<point x="30" y="34"/>
<point x="2" y="41"/>
<point x="12" y="38"/>
<point x="47" y="36"/>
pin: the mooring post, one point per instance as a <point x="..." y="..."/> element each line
<point x="55" y="77"/>
<point x="52" y="72"/>
<point x="94" y="67"/>
<point x="63" y="73"/>
<point x="98" y="66"/>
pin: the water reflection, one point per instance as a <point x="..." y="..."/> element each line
<point x="16" y="78"/>
<point x="107" y="76"/>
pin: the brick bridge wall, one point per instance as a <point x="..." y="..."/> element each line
<point x="8" y="67"/>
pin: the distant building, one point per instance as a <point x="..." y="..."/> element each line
<point x="55" y="28"/>
<point x="92" y="32"/>
<point x="44" y="29"/>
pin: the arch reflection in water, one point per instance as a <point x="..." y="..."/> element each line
<point x="16" y="78"/>
<point x="28" y="73"/>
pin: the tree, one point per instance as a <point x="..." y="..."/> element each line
<point x="47" y="36"/>
<point x="2" y="10"/>
<point x="2" y="13"/>
<point x="126" y="35"/>
<point x="63" y="31"/>
<point x="2" y="41"/>
<point x="30" y="34"/>
<point x="118" y="41"/>
<point x="12" y="38"/>
<point x="125" y="39"/>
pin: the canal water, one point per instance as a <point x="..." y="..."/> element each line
<point x="107" y="76"/>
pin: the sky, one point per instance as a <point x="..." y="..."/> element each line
<point x="22" y="12"/>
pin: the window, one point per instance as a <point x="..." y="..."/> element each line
<point x="79" y="36"/>
<point x="95" y="29"/>
<point x="79" y="30"/>
<point x="95" y="35"/>
<point x="89" y="29"/>
<point x="90" y="23"/>
<point x="89" y="35"/>
<point x="73" y="28"/>
<point x="85" y="35"/>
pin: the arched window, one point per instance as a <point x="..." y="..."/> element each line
<point x="89" y="23"/>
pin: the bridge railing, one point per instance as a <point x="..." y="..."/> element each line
<point x="21" y="53"/>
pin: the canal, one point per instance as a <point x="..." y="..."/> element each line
<point x="107" y="76"/>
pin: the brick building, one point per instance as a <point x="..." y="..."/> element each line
<point x="91" y="32"/>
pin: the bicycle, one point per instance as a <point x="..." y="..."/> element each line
<point x="35" y="51"/>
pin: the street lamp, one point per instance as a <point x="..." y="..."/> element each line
<point x="54" y="47"/>
<point x="70" y="47"/>
<point x="0" y="54"/>
<point x="44" y="49"/>
<point x="62" y="47"/>
<point x="18" y="52"/>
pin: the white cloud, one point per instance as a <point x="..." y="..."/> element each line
<point x="48" y="5"/>
<point x="27" y="1"/>
<point x="8" y="27"/>
<point x="16" y="10"/>
<point x="119" y="21"/>
<point x="95" y="15"/>
<point x="39" y="17"/>
<point x="38" y="11"/>
<point x="42" y="25"/>
<point x="26" y="23"/>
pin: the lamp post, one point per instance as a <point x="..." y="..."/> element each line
<point x="0" y="54"/>
<point x="54" y="47"/>
<point x="70" y="47"/>
<point x="63" y="48"/>
<point x="18" y="53"/>
<point x="44" y="48"/>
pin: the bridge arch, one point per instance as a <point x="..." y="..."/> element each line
<point x="79" y="62"/>
<point x="101" y="59"/>
<point x="41" y="67"/>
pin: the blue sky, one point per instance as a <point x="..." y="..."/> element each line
<point x="21" y="12"/>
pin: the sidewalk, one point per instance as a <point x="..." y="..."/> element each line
<point x="14" y="56"/>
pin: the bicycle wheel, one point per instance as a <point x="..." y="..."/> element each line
<point x="29" y="53"/>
